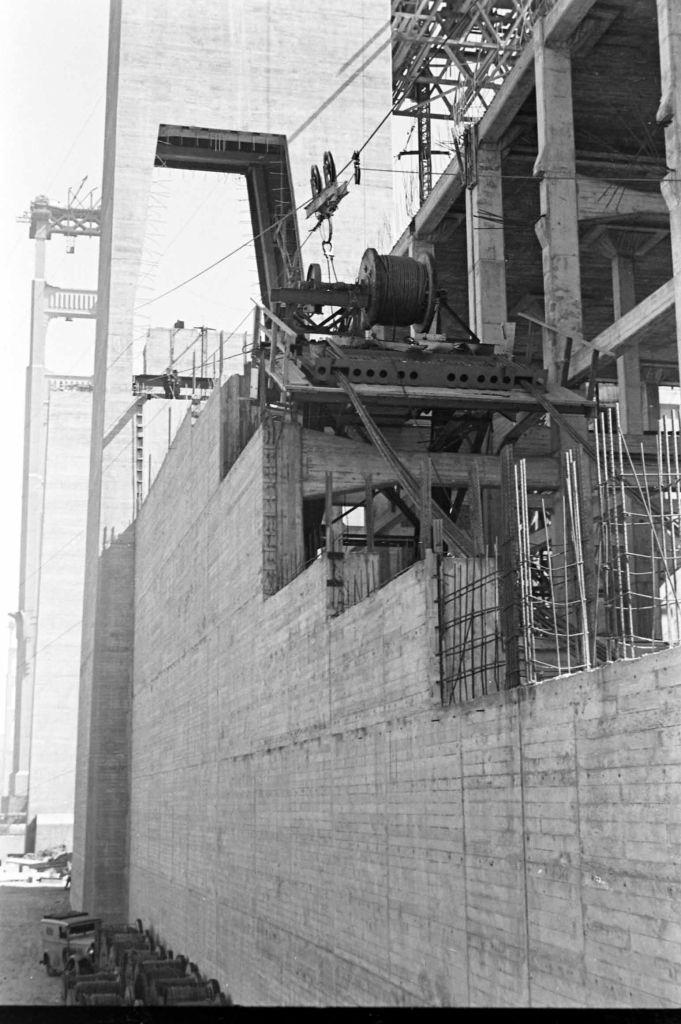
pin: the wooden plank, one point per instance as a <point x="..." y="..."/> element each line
<point x="456" y="537"/>
<point x="293" y="374"/>
<point x="563" y="422"/>
<point x="275" y="319"/>
<point x="626" y="330"/>
<point x="351" y="461"/>
<point x="328" y="509"/>
<point x="451" y="398"/>
<point x="526" y="423"/>
<point x="475" y="504"/>
<point x="426" y="514"/>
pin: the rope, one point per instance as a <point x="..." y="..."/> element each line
<point x="399" y="289"/>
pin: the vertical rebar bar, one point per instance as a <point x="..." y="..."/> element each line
<point x="672" y="504"/>
<point x="549" y="557"/>
<point x="523" y="526"/>
<point x="660" y="492"/>
<point x="675" y="433"/>
<point x="617" y="545"/>
<point x="603" y="561"/>
<point x="625" y="536"/>
<point x="573" y="493"/>
<point x="566" y="592"/>
<point x="657" y="600"/>
<point x="472" y="584"/>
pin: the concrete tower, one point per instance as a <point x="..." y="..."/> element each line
<point x="259" y="88"/>
<point x="55" y="484"/>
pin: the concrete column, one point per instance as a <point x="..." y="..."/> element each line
<point x="557" y="228"/>
<point x="628" y="363"/>
<point x="620" y="247"/>
<point x="669" y="115"/>
<point x="630" y="400"/>
<point x="558" y="232"/>
<point x="486" y="259"/>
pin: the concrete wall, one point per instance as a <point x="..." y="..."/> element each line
<point x="102" y="855"/>
<point x="311" y="827"/>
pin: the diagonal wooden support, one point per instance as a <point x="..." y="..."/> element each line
<point x="453" y="534"/>
<point x="528" y="421"/>
<point x="561" y="420"/>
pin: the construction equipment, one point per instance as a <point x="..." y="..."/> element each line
<point x="381" y="333"/>
<point x="65" y="936"/>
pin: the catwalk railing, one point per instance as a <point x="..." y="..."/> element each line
<point x="594" y="573"/>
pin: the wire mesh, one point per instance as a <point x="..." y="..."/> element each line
<point x="633" y="608"/>
<point x="472" y="660"/>
<point x="597" y="574"/>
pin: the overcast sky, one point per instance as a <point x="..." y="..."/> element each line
<point x="53" y="85"/>
<point x="52" y="99"/>
<point x="53" y="77"/>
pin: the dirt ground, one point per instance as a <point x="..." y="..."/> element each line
<point x="23" y="981"/>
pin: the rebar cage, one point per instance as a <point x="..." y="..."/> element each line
<point x="595" y="577"/>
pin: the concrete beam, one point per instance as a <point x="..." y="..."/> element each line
<point x="627" y="329"/>
<point x="446" y="190"/>
<point x="565" y="17"/>
<point x="560" y="23"/>
<point x="597" y="199"/>
<point x="351" y="461"/>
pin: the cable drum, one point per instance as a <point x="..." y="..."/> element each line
<point x="402" y="290"/>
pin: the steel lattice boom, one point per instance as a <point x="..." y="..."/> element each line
<point x="459" y="50"/>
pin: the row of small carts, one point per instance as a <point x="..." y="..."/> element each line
<point x="130" y="968"/>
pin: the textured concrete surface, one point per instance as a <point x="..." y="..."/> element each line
<point x="311" y="826"/>
<point x="57" y="663"/>
<point x="103" y="859"/>
<point x="252" y="66"/>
